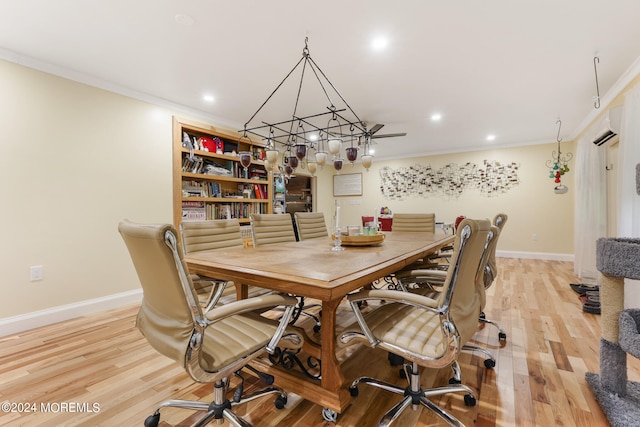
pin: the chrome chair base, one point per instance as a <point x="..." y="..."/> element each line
<point x="415" y="395"/>
<point x="502" y="335"/>
<point x="220" y="408"/>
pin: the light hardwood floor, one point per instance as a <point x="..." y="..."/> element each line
<point x="539" y="379"/>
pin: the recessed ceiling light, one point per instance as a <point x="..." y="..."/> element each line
<point x="313" y="137"/>
<point x="436" y="117"/>
<point x="371" y="151"/>
<point x="491" y="137"/>
<point x="208" y="98"/>
<point x="379" y="43"/>
<point x="183" y="19"/>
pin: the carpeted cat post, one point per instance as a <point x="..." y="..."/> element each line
<point x="617" y="259"/>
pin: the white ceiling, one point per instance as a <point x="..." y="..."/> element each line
<point x="507" y="67"/>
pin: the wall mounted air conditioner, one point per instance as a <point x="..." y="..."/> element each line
<point x="608" y="127"/>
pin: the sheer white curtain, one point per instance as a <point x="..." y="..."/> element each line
<point x="590" y="207"/>
<point x="629" y="156"/>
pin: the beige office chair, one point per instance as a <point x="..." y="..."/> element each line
<point x="310" y="225"/>
<point x="427" y="332"/>
<point x="206" y="344"/>
<point x="272" y="228"/>
<point x="429" y="280"/>
<point x="407" y="223"/>
<point x="491" y="271"/>
<point x="208" y="236"/>
<point x="268" y="229"/>
<point x="416" y="222"/>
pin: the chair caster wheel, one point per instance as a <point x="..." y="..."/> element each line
<point x="316" y="328"/>
<point x="454" y="381"/>
<point x="489" y="363"/>
<point x="353" y="391"/>
<point x="281" y="401"/>
<point x="469" y="400"/>
<point x="152" y="420"/>
<point x="502" y="337"/>
<point x="395" y="360"/>
<point x="329" y="415"/>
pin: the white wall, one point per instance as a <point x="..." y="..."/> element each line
<point x="74" y="160"/>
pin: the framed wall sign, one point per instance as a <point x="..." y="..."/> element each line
<point x="347" y="185"/>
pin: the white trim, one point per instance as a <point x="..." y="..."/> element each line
<point x="23" y="322"/>
<point x="76" y="76"/>
<point x="535" y="255"/>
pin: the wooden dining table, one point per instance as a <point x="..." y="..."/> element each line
<point x="311" y="269"/>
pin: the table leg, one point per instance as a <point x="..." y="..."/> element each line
<point x="332" y="376"/>
<point x="242" y="291"/>
<point x="329" y="392"/>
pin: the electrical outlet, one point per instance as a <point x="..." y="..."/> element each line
<point x="36" y="272"/>
<point x="534" y="237"/>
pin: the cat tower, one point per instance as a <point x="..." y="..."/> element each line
<point x="617" y="259"/>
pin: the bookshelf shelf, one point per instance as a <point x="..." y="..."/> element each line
<point x="205" y="177"/>
<point x="213" y="185"/>
<point x="219" y="156"/>
<point x="223" y="200"/>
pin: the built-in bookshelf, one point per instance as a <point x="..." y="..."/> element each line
<point x="209" y="182"/>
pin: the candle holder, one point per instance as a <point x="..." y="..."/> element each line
<point x="337" y="241"/>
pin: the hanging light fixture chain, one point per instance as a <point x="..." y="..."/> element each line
<point x="274" y="91"/>
<point x="295" y="107"/>
<point x="335" y="90"/>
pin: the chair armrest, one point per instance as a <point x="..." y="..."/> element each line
<point x="394" y="296"/>
<point x="249" y="304"/>
<point x="436" y="277"/>
<point x="217" y="289"/>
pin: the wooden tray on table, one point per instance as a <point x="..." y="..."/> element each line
<point x="362" y="240"/>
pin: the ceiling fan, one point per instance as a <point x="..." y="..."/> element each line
<point x="370" y="134"/>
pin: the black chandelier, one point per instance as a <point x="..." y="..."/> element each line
<point x="305" y="139"/>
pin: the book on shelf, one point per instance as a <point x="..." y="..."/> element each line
<point x="216" y="191"/>
<point x="258" y="173"/>
<point x="192" y="164"/>
<point x="261" y="191"/>
<point x="240" y="210"/>
<point x="225" y="212"/>
<point x="256" y="191"/>
<point x="194" y="211"/>
<point x="193" y="189"/>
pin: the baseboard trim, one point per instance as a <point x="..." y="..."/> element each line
<point x="24" y="322"/>
<point x="536" y="255"/>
